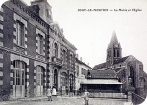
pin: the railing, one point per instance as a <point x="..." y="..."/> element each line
<point x="103" y="91"/>
<point x="107" y="95"/>
<point x="57" y="61"/>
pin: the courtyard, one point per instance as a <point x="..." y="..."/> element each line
<point x="67" y="101"/>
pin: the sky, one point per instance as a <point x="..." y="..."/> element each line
<point x="90" y="32"/>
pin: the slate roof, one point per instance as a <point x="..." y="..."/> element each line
<point x="78" y="61"/>
<point x="103" y="74"/>
<point x="100" y="66"/>
<point x="120" y="60"/>
<point x="117" y="69"/>
<point x="103" y="65"/>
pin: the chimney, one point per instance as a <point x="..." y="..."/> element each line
<point x="77" y="56"/>
<point x="80" y="58"/>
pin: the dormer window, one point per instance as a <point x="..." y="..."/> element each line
<point x="88" y="74"/>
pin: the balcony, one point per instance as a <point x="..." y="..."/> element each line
<point x="57" y="61"/>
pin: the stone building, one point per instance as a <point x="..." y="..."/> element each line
<point x="31" y="50"/>
<point x="62" y="60"/>
<point x="81" y="72"/>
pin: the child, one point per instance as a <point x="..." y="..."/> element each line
<point x="86" y="97"/>
<point x="49" y="94"/>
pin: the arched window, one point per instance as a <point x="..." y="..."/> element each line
<point x="114" y="53"/>
<point x="64" y="56"/>
<point x="56" y="50"/>
<point x="118" y="53"/>
<point x="132" y="80"/>
<point x="109" y="53"/>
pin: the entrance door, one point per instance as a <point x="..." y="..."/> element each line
<point x="19" y="79"/>
<point x="56" y="79"/>
<point x="39" y="81"/>
<point x="71" y="82"/>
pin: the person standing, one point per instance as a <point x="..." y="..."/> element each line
<point x="86" y="97"/>
<point x="66" y="90"/>
<point x="49" y="94"/>
<point x="54" y="93"/>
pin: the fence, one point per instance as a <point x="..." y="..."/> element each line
<point x="107" y="95"/>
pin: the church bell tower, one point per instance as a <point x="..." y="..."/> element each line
<point x="114" y="51"/>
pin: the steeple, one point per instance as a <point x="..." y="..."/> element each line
<point x="113" y="50"/>
<point x="114" y="40"/>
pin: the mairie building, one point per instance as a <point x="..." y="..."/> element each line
<point x="34" y="54"/>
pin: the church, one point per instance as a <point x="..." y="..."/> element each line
<point x="117" y="75"/>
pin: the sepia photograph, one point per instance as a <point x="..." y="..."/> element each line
<point x="73" y="52"/>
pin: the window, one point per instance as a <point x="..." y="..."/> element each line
<point x="64" y="79"/>
<point x="117" y="53"/>
<point x="71" y="81"/>
<point x="48" y="13"/>
<point x="140" y="67"/>
<point x="39" y="76"/>
<point x="56" y="50"/>
<point x="56" y="78"/>
<point x="142" y="81"/>
<point x="114" y="51"/>
<point x="132" y="76"/>
<point x="71" y="60"/>
<point x="19" y="73"/>
<point x="64" y="56"/>
<point x="82" y="71"/>
<point x="40" y="44"/>
<point x="77" y="70"/>
<point x="109" y="53"/>
<point x="20" y="33"/>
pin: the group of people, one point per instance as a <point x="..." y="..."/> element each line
<point x="51" y="92"/>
